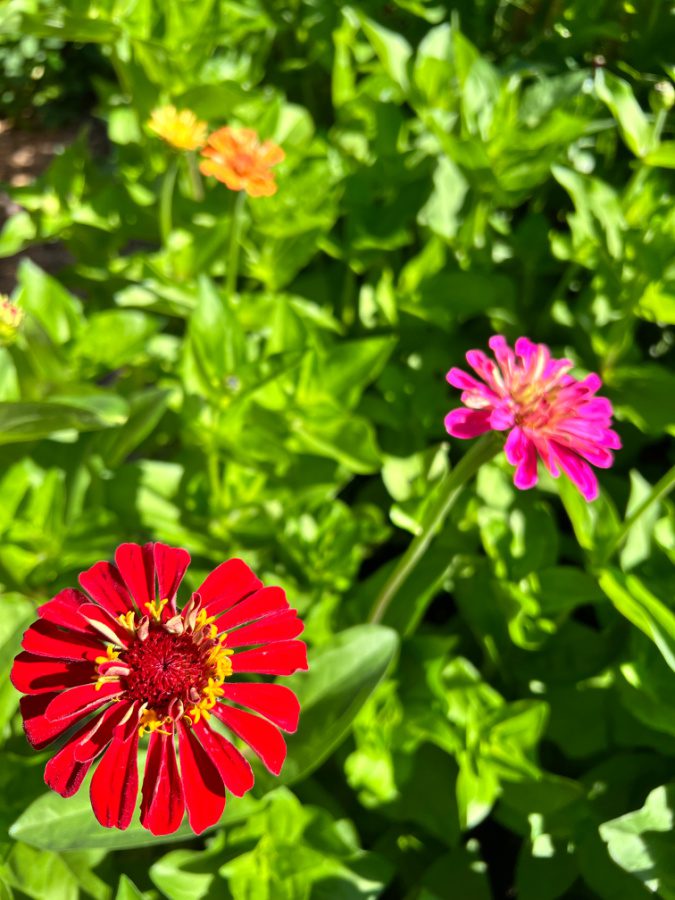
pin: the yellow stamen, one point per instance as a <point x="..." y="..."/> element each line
<point x="128" y="621"/>
<point x="150" y="722"/>
<point x="155" y="608"/>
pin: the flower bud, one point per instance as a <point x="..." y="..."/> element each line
<point x="11" y="318"/>
<point x="662" y="96"/>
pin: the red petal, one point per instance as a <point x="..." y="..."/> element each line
<point x="101" y="732"/>
<point x="45" y="639"/>
<point x="39" y="730"/>
<point x="163" y="804"/>
<point x="283" y="658"/>
<point x="137" y="568"/>
<point x="36" y="674"/>
<point x="229" y="583"/>
<point x="63" y="773"/>
<point x="81" y="700"/>
<point x="274" y="701"/>
<point x="104" y="584"/>
<point x="63" y="610"/>
<point x="170" y="563"/>
<point x="263" y="602"/>
<point x="114" y="787"/>
<point x="234" y="768"/>
<point x="126" y="729"/>
<point x="263" y="738"/>
<point x="103" y="624"/>
<point x="281" y="626"/>
<point x="203" y="786"/>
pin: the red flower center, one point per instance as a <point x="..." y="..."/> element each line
<point x="165" y="667"/>
<point x="172" y="669"/>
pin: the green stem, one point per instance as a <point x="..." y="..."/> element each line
<point x="233" y="253"/>
<point x="481" y="452"/>
<point x="166" y="201"/>
<point x="660" y="490"/>
<point x="195" y="178"/>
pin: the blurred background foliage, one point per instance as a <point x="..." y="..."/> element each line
<point x="452" y="170"/>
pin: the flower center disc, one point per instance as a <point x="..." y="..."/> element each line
<point x="164" y="667"/>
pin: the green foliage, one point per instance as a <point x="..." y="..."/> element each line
<point x="452" y="171"/>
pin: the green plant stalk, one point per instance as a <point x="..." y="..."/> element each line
<point x="660" y="490"/>
<point x="195" y="178"/>
<point x="233" y="252"/>
<point x="166" y="201"/>
<point x="481" y="452"/>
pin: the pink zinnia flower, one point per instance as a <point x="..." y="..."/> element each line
<point x="106" y="668"/>
<point x="547" y="412"/>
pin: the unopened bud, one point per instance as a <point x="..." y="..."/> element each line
<point x="11" y="318"/>
<point x="662" y="96"/>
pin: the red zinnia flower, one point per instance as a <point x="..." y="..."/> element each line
<point x="122" y="662"/>
<point x="548" y="413"/>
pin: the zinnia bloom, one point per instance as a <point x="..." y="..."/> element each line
<point x="547" y="412"/>
<point x="236" y="157"/>
<point x="11" y="318"/>
<point x="109" y="667"/>
<point x="182" y="129"/>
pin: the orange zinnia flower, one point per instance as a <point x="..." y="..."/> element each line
<point x="180" y="128"/>
<point x="236" y="157"/>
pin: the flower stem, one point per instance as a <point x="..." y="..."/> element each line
<point x="481" y="452"/>
<point x="660" y="490"/>
<point x="233" y="253"/>
<point x="195" y="178"/>
<point x="166" y="201"/>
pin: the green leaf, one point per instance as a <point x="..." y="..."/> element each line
<point x="127" y="890"/>
<point x="441" y="211"/>
<point x="341" y="677"/>
<point x="32" y="421"/>
<point x="643" y="609"/>
<point x="54" y="823"/>
<point x="618" y="95"/>
<point x="663" y="155"/>
<point x="393" y="50"/>
<point x="643" y="394"/>
<point x="641" y="842"/>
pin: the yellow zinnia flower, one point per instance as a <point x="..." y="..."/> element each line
<point x="180" y="128"/>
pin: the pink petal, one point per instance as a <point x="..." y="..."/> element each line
<point x="578" y="471"/>
<point x="463" y="381"/>
<point x="274" y="701"/>
<point x="467" y="423"/>
<point x="203" y="786"/>
<point x="521" y="452"/>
